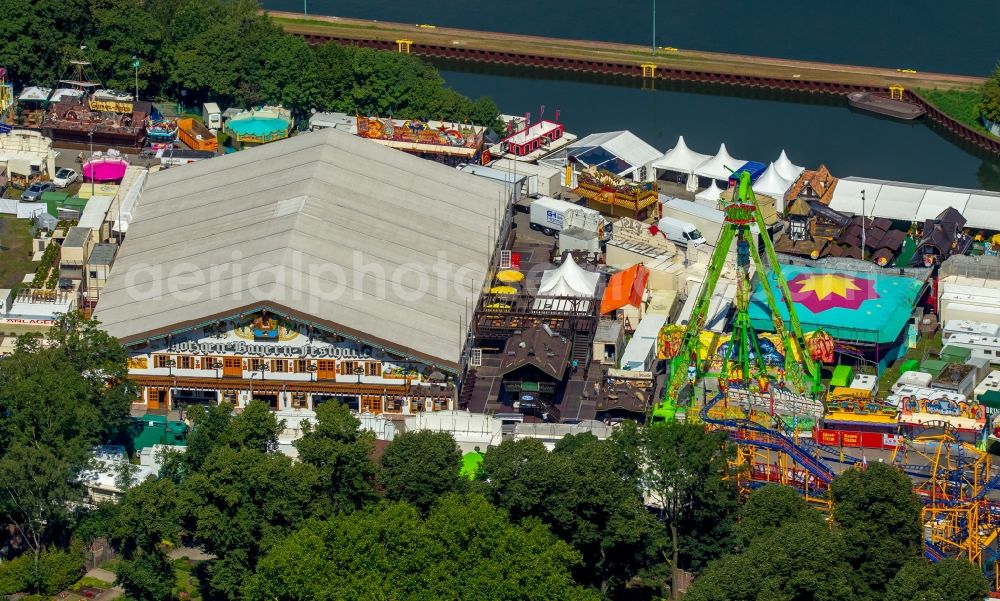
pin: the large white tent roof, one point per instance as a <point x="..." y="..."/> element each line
<point x="680" y="158"/>
<point x="720" y="166"/>
<point x="624" y="145"/>
<point x="331" y="228"/>
<point x="908" y="202"/>
<point x="569" y="279"/>
<point x="772" y="183"/>
<point x="787" y="169"/>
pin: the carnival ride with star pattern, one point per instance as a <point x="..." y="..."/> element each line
<point x="952" y="478"/>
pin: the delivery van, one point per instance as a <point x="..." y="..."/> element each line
<point x="548" y="214"/>
<point x="680" y="232"/>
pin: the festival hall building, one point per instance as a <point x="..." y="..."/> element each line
<point x="321" y="267"/>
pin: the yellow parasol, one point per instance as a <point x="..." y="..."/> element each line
<point x="995" y="239"/>
<point x="503" y="290"/>
<point x="509" y="276"/>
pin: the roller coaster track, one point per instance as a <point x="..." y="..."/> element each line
<point x="747" y="432"/>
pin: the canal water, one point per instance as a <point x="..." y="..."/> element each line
<point x="755" y="125"/>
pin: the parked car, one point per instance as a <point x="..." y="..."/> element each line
<point x="35" y="191"/>
<point x="65" y="177"/>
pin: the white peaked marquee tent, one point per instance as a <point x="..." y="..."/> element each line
<point x="569" y="279"/>
<point x="787" y="169"/>
<point x="709" y="196"/>
<point x="773" y="184"/>
<point x="719" y="167"/>
<point x="680" y="158"/>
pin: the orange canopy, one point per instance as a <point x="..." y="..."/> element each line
<point x="625" y="288"/>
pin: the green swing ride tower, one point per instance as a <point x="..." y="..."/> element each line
<point x="743" y="365"/>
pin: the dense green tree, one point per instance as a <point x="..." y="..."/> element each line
<point x="240" y="502"/>
<point x="769" y="508"/>
<point x="464" y="549"/>
<point x="951" y="580"/>
<point x="418" y="467"/>
<point x="989" y="106"/>
<point x="147" y="576"/>
<point x="145" y="518"/>
<point x="255" y="427"/>
<point x="58" y="400"/>
<point x="580" y="494"/>
<point x="521" y="476"/>
<point x="878" y="515"/>
<point x="341" y="454"/>
<point x="686" y="474"/>
<point x="120" y="30"/>
<point x="67" y="395"/>
<point x="37" y="36"/>
<point x="37" y="488"/>
<point x="208" y="430"/>
<point x="800" y="561"/>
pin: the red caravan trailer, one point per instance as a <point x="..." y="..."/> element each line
<point x="534" y="137"/>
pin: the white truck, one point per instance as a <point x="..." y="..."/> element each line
<point x="680" y="232"/>
<point x="548" y="214"/>
<point x="212" y="115"/>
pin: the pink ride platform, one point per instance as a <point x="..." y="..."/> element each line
<point x="105" y="168"/>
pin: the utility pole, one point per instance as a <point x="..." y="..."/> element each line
<point x="135" y="64"/>
<point x="863" y="217"/>
<point x="90" y="135"/>
<point x="654" y="26"/>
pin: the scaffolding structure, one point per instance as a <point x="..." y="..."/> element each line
<point x="953" y="479"/>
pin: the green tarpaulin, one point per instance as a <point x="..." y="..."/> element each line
<point x="990" y="398"/>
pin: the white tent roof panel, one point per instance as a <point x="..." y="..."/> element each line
<point x="847" y="195"/>
<point x="623" y="144"/>
<point x="983" y="211"/>
<point x="937" y="200"/>
<point x="894" y="200"/>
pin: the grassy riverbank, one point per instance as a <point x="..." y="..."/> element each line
<point x="961" y="105"/>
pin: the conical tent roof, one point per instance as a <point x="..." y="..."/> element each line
<point x="680" y="158"/>
<point x="772" y="184"/>
<point x="787" y="169"/>
<point x="720" y="166"/>
<point x="568" y="280"/>
<point x="710" y="193"/>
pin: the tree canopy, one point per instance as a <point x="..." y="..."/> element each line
<point x="197" y="51"/>
<point x="989" y="106"/>
<point x="59" y="397"/>
<point x="589" y="519"/>
<point x="878" y="515"/>
<point x="418" y="467"/>
<point x="464" y="549"/>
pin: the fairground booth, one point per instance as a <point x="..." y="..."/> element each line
<point x="866" y="313"/>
